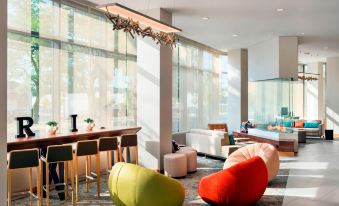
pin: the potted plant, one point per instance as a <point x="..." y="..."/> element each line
<point x="52" y="127"/>
<point x="89" y="124"/>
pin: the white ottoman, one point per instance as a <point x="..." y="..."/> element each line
<point x="175" y="165"/>
<point x="191" y="156"/>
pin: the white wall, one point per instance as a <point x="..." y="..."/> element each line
<point x="272" y="59"/>
<point x="238" y="88"/>
<point x="332" y="97"/>
<point x="3" y="101"/>
<point x="314" y="97"/>
<point x="154" y="95"/>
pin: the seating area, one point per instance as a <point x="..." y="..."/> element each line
<point x="169" y="103"/>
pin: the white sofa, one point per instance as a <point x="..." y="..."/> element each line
<point x="210" y="142"/>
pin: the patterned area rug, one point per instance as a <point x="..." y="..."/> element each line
<point x="273" y="195"/>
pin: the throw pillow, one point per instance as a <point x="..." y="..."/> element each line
<point x="299" y="124"/>
<point x="231" y="138"/>
<point x="287" y="123"/>
<point x="311" y="125"/>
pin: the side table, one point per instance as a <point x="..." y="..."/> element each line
<point x="329" y="134"/>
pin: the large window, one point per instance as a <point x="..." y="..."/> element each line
<point x="64" y="58"/>
<point x="199" y="87"/>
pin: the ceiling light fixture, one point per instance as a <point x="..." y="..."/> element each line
<point x="133" y="22"/>
<point x="280" y="9"/>
<point x="302" y="33"/>
<point x="235" y="35"/>
<point x="205" y="18"/>
<point x="308" y="76"/>
<point x="325" y="47"/>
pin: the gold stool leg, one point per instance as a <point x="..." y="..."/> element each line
<point x="76" y="178"/>
<point x="30" y="187"/>
<point x="9" y="187"/>
<point x="38" y="182"/>
<point x="72" y="181"/>
<point x="87" y="173"/>
<point x="66" y="180"/>
<point x="120" y="156"/>
<point x="90" y="169"/>
<point x="108" y="161"/>
<point x="98" y="173"/>
<point x="117" y="158"/>
<point x="136" y="155"/>
<point x="126" y="151"/>
<point x="47" y="183"/>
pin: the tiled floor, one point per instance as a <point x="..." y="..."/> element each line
<point x="313" y="174"/>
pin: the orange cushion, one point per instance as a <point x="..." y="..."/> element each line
<point x="241" y="184"/>
<point x="299" y="124"/>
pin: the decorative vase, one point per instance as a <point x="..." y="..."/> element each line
<point x="90" y="126"/>
<point x="51" y="130"/>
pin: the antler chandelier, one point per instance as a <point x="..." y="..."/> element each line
<point x="130" y="21"/>
<point x="308" y="76"/>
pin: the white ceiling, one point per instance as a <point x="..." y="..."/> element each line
<point x="316" y="22"/>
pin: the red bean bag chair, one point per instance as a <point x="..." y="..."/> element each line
<point x="241" y="184"/>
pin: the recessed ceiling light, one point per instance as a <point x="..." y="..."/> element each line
<point x="235" y="35"/>
<point x="205" y="18"/>
<point x="302" y="33"/>
<point x="280" y="9"/>
<point x="325" y="47"/>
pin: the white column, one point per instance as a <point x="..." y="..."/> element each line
<point x="314" y="107"/>
<point x="154" y="97"/>
<point x="238" y="88"/>
<point x="3" y="101"/>
<point x="332" y="97"/>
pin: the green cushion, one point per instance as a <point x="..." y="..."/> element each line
<point x="231" y="138"/>
<point x="132" y="185"/>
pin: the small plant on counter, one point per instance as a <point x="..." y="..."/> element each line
<point x="90" y="124"/>
<point x="89" y="121"/>
<point x="52" y="123"/>
<point x="52" y="127"/>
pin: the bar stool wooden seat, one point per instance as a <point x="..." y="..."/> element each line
<point x="24" y="159"/>
<point x="128" y="141"/>
<point x="86" y="149"/>
<point x="58" y="154"/>
<point x="109" y="144"/>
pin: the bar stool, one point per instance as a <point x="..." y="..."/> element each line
<point x="128" y="141"/>
<point x="24" y="159"/>
<point x="86" y="149"/>
<point x="109" y="144"/>
<point x="58" y="154"/>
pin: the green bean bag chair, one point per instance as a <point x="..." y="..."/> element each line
<point x="132" y="185"/>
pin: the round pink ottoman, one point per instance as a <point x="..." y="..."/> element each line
<point x="266" y="151"/>
<point x="191" y="157"/>
<point x="175" y="165"/>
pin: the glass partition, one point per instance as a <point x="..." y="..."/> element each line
<point x="272" y="100"/>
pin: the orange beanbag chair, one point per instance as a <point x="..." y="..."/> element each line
<point x="267" y="152"/>
<point x="241" y="184"/>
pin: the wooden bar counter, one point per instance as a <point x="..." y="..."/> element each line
<point x="43" y="140"/>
